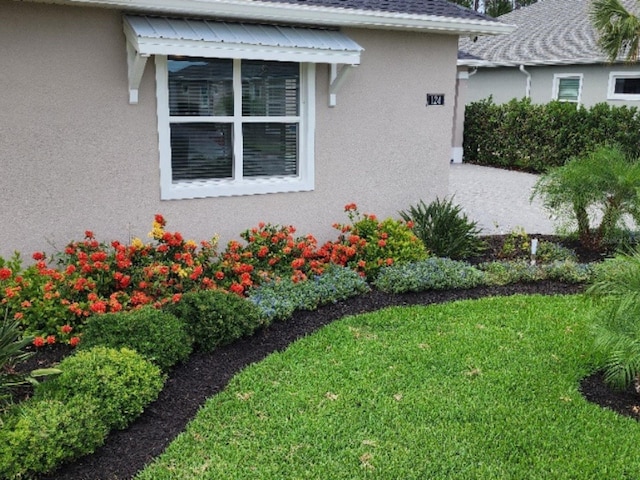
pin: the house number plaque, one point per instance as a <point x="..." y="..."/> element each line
<point x="435" y="99"/>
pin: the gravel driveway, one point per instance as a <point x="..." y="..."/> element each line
<point x="498" y="199"/>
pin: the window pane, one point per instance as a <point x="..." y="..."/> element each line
<point x="201" y="151"/>
<point x="270" y="149"/>
<point x="628" y="85"/>
<point x="568" y="89"/>
<point x="270" y="88"/>
<point x="200" y="86"/>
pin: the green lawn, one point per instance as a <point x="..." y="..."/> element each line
<point x="470" y="390"/>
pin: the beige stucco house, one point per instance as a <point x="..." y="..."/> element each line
<point x="220" y="114"/>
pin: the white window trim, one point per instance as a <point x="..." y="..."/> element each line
<point x="556" y="86"/>
<point x="611" y="95"/>
<point x="304" y="181"/>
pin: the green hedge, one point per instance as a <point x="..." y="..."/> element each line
<point x="523" y="136"/>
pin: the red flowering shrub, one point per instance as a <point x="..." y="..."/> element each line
<point x="270" y="252"/>
<point x="367" y="244"/>
<point x="96" y="278"/>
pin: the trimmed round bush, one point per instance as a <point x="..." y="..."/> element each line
<point x="121" y="382"/>
<point x="214" y="317"/>
<point x="159" y="336"/>
<point x="38" y="436"/>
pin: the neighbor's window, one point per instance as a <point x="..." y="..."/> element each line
<point x="234" y="127"/>
<point x="567" y="87"/>
<point x="624" y="86"/>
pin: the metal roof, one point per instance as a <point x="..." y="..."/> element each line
<point x="149" y="30"/>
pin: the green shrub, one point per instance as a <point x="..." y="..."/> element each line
<point x="554" y="252"/>
<point x="605" y="181"/>
<point x="616" y="288"/>
<point x="214" y="317"/>
<point x="516" y="245"/>
<point x="444" y="229"/>
<point x="568" y="271"/>
<point x="506" y="272"/>
<point x="38" y="436"/>
<point x="278" y="300"/>
<point x="121" y="382"/>
<point x="525" y="136"/>
<point x="431" y="274"/>
<point x="159" y="336"/>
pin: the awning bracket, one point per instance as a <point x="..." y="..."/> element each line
<point x="336" y="80"/>
<point x="136" y="64"/>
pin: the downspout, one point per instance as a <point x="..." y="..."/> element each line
<point x="527" y="92"/>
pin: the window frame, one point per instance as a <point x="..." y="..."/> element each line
<point x="187" y="189"/>
<point x="613" y="76"/>
<point x="557" y="77"/>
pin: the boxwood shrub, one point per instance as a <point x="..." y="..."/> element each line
<point x="120" y="382"/>
<point x="38" y="436"/>
<point x="214" y="317"/>
<point x="159" y="336"/>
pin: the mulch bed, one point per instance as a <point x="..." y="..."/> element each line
<point x="203" y="375"/>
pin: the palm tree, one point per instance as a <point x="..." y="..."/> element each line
<point x="618" y="29"/>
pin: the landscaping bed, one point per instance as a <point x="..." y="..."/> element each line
<point x="204" y="374"/>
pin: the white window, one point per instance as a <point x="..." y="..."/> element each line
<point x="567" y="87"/>
<point x="236" y="101"/>
<point x="624" y="86"/>
<point x="234" y="127"/>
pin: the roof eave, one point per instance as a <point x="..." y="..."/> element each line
<point x="531" y="63"/>
<point x="294" y="13"/>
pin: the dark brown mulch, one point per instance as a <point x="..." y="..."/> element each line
<point x="203" y="375"/>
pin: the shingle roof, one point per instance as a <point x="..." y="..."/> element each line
<point x="437" y="8"/>
<point x="549" y="32"/>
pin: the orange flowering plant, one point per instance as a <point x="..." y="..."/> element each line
<point x="367" y="244"/>
<point x="90" y="277"/>
<point x="270" y="252"/>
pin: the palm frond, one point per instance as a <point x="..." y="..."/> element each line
<point x="618" y="29"/>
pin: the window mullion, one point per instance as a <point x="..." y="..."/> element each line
<point x="237" y="120"/>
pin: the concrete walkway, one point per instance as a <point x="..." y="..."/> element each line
<point x="498" y="199"/>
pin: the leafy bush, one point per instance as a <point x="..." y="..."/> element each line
<point x="505" y="272"/>
<point x="121" y="382"/>
<point x="37" y="436"/>
<point x="605" y="181"/>
<point x="513" y="271"/>
<point x="159" y="336"/>
<point x="616" y="288"/>
<point x="568" y="271"/>
<point x="12" y="351"/>
<point x="444" y="229"/>
<point x="431" y="274"/>
<point x="367" y="244"/>
<point x="277" y="300"/>
<point x="554" y="252"/>
<point x="525" y="136"/>
<point x="214" y="317"/>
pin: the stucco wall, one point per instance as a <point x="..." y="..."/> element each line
<point x="77" y="156"/>
<point x="508" y="83"/>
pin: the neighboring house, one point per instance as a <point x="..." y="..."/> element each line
<point x="551" y="55"/>
<point x="220" y="114"/>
